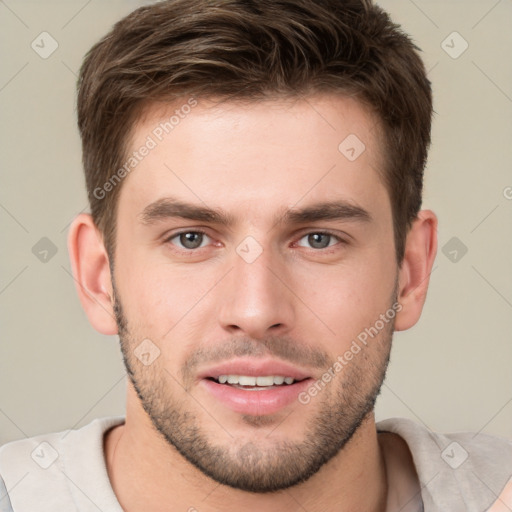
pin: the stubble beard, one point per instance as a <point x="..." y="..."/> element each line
<point x="244" y="465"/>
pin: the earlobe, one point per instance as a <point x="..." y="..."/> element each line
<point x="91" y="271"/>
<point x="414" y="274"/>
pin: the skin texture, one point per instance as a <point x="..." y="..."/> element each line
<point x="296" y="302"/>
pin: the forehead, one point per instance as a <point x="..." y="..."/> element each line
<point x="258" y="154"/>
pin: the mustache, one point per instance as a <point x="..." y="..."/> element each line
<point x="281" y="347"/>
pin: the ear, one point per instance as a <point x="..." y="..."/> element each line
<point x="414" y="273"/>
<point x="91" y="271"/>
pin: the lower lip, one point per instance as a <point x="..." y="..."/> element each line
<point x="256" y="403"/>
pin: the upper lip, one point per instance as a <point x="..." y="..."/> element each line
<point x="254" y="368"/>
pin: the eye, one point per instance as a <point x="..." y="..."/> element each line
<point x="189" y="239"/>
<point x="319" y="240"/>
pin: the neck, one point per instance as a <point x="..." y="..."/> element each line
<point x="161" y="479"/>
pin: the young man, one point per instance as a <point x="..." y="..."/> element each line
<point x="254" y="170"/>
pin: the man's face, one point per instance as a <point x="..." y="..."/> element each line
<point x="296" y="261"/>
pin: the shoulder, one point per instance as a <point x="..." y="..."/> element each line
<point x="44" y="472"/>
<point x="458" y="471"/>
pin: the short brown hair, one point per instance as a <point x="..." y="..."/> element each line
<point x="255" y="49"/>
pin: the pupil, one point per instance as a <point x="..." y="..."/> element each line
<point x="319" y="240"/>
<point x="191" y="240"/>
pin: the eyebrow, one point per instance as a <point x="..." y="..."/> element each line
<point x="169" y="207"/>
<point x="334" y="210"/>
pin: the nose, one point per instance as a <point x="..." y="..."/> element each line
<point x="256" y="300"/>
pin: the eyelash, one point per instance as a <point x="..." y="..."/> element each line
<point x="325" y="249"/>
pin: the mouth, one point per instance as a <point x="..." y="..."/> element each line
<point x="254" y="387"/>
<point x="252" y="383"/>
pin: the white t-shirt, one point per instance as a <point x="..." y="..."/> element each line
<point x="66" y="471"/>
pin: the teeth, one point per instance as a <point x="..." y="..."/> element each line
<point x="246" y="381"/>
<point x="263" y="381"/>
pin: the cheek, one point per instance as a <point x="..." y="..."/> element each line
<point x="159" y="297"/>
<point x="348" y="298"/>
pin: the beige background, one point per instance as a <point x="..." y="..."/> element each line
<point x="451" y="372"/>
